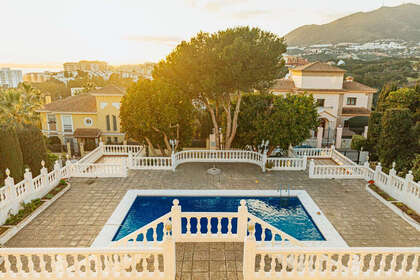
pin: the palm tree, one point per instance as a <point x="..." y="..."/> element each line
<point x="17" y="106"/>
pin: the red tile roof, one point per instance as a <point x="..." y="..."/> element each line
<point x="319" y="67"/>
<point x="83" y="103"/>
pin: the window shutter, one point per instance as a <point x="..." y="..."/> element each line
<point x="114" y="122"/>
<point x="108" y="124"/>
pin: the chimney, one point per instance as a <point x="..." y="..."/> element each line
<point x="47" y="99"/>
<point x="349" y="79"/>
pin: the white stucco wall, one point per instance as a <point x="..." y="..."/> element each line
<point x="331" y="103"/>
<point x="318" y="82"/>
<point x="361" y="101"/>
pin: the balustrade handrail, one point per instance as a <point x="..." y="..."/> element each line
<point x="143" y="230"/>
<point x="275" y="231"/>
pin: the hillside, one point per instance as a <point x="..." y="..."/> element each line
<point x="401" y="22"/>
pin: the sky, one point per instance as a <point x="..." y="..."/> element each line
<point x="46" y="33"/>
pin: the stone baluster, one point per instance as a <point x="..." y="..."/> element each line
<point x="250" y="246"/>
<point x="176" y="219"/>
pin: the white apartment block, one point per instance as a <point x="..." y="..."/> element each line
<point x="10" y="78"/>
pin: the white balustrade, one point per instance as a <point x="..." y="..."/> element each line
<point x="219" y="156"/>
<point x="262" y="262"/>
<point x="151" y="163"/>
<point x="88" y="263"/>
<point x="102" y="170"/>
<point x="206" y="227"/>
<point x="288" y="163"/>
<point x="270" y="234"/>
<point x="341" y="159"/>
<point x="115" y="150"/>
<point x="93" y="156"/>
<point x="313" y="152"/>
<point x="337" y="172"/>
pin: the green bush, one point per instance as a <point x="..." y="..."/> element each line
<point x="396" y="141"/>
<point x="416" y="168"/>
<point x="53" y="140"/>
<point x="33" y="148"/>
<point x="10" y="155"/>
<point x="358" y="142"/>
<point x="374" y="132"/>
<point x="26" y="210"/>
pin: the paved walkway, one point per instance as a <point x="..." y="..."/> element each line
<point x="214" y="261"/>
<point x="76" y="218"/>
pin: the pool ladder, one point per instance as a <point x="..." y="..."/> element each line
<point x="288" y="190"/>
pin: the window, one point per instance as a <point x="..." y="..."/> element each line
<point x="320" y="102"/>
<point x="351" y="100"/>
<point x="346" y="123"/>
<point x="116" y="139"/>
<point x="52" y="122"/>
<point x="108" y="123"/>
<point x="67" y="123"/>
<point x="88" y="121"/>
<point x="108" y="140"/>
<point x="114" y="122"/>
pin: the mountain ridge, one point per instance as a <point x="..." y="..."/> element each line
<point x="400" y="22"/>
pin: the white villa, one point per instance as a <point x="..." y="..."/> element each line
<point x="339" y="99"/>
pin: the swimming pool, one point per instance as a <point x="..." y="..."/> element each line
<point x="294" y="213"/>
<point x="285" y="213"/>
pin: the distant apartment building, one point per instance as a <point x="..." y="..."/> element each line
<point x="295" y="61"/>
<point x="86" y="66"/>
<point x="71" y="66"/>
<point x="86" y="117"/>
<point x="10" y="78"/>
<point x="339" y="99"/>
<point x="36" y="77"/>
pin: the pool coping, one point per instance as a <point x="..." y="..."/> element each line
<point x="331" y="235"/>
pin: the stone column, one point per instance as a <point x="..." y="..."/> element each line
<point x="176" y="219"/>
<point x="44" y="175"/>
<point x="378" y="171"/>
<point x="242" y="220"/>
<point x="365" y="132"/>
<point x="82" y="149"/>
<point x="68" y="148"/>
<point x="169" y="255"/>
<point x="250" y="247"/>
<point x="319" y="137"/>
<point x="9" y="184"/>
<point x="338" y="137"/>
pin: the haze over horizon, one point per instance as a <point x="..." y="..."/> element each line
<point x="44" y="34"/>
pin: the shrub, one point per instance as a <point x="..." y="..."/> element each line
<point x="358" y="142"/>
<point x="53" y="140"/>
<point x="374" y="132"/>
<point x="10" y="154"/>
<point x="416" y="168"/>
<point x="33" y="148"/>
<point x="396" y="140"/>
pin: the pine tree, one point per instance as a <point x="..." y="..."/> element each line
<point x="33" y="148"/>
<point x="10" y="155"/>
<point x="396" y="139"/>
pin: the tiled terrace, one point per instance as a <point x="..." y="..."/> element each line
<point x="76" y="218"/>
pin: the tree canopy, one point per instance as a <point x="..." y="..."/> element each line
<point x="215" y="70"/>
<point x="282" y="120"/>
<point x="153" y="112"/>
<point x="18" y="105"/>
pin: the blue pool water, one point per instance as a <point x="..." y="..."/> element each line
<point x="285" y="213"/>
